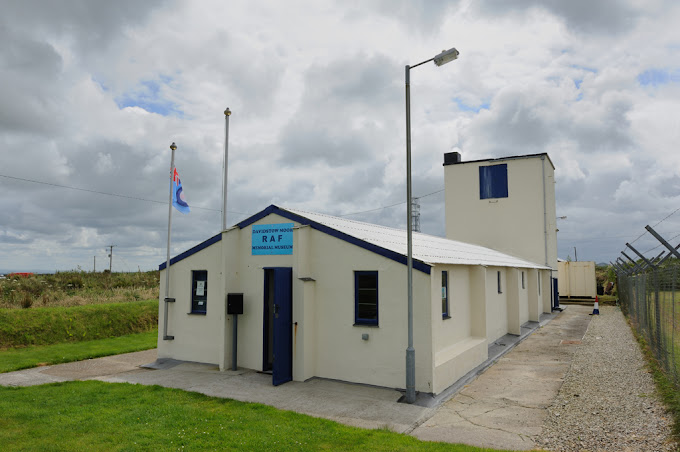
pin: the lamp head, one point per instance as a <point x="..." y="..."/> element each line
<point x="446" y="56"/>
<point x="227" y="112"/>
<point x="173" y="146"/>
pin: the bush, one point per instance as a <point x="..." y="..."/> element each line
<point x="78" y="288"/>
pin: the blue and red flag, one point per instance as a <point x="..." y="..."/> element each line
<point x="178" y="199"/>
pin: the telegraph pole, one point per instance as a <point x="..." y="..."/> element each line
<point x="94" y="267"/>
<point x="111" y="257"/>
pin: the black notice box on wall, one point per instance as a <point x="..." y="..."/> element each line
<point x="235" y="303"/>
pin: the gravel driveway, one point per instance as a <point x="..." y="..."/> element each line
<point x="608" y="401"/>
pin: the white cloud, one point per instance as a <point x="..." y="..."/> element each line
<point x="93" y="95"/>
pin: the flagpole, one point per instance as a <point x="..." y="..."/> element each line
<point x="227" y="113"/>
<point x="167" y="259"/>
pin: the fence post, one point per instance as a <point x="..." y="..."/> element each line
<point x="640" y="255"/>
<point x="639" y="268"/>
<point x="657" y="313"/>
<point x="665" y="243"/>
<point x="673" y="326"/>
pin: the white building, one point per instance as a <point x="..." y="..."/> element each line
<point x="507" y="204"/>
<point x="326" y="297"/>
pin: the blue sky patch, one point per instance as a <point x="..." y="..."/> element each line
<point x="147" y="95"/>
<point x="584" y="68"/>
<point x="462" y="106"/>
<point x="656" y="77"/>
<point x="101" y="84"/>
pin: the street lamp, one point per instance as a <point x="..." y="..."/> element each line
<point x="440" y="59"/>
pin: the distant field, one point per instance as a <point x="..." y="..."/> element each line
<point x="77" y="289"/>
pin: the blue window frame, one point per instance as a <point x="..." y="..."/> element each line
<point x="445" y="295"/>
<point x="199" y="291"/>
<point x="493" y="181"/>
<point x="366" y="298"/>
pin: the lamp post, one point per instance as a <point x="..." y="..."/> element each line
<point x="440" y="59"/>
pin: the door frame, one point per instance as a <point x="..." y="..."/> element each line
<point x="282" y="327"/>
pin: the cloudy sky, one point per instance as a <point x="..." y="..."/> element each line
<point x="93" y="93"/>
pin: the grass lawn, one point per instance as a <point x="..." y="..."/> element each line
<point x="91" y="415"/>
<point x="25" y="357"/>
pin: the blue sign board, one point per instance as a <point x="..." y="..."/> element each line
<point x="272" y="239"/>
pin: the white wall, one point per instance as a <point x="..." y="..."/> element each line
<point x="341" y="352"/>
<point x="515" y="225"/>
<point x="195" y="334"/>
<point x="523" y="295"/>
<point x="545" y="290"/>
<point x="512" y="291"/>
<point x="496" y="304"/>
<point x="456" y="350"/>
<point x="534" y="298"/>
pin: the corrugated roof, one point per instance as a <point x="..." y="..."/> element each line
<point x="426" y="248"/>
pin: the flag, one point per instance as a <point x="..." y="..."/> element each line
<point x="178" y="199"/>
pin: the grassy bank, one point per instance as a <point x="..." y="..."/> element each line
<point x="52" y="325"/>
<point x="44" y="355"/>
<point x="106" y="416"/>
<point x="77" y="288"/>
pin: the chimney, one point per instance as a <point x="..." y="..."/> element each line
<point x="451" y="158"/>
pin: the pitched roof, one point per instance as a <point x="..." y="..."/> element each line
<point x="428" y="250"/>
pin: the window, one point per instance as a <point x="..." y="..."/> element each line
<point x="493" y="181"/>
<point x="499" y="282"/>
<point x="366" y="298"/>
<point x="199" y="291"/>
<point x="522" y="280"/>
<point x="445" y="294"/>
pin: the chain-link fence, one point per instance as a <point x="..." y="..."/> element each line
<point x="652" y="301"/>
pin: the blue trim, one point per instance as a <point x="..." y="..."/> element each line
<point x="195" y="277"/>
<point x="194" y="250"/>
<point x="358" y="320"/>
<point x="418" y="265"/>
<point x="258" y="216"/>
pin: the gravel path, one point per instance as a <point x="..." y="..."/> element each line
<point x="608" y="401"/>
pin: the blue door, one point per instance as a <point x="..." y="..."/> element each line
<point x="282" y="319"/>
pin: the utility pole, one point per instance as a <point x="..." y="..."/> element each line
<point x="111" y="257"/>
<point x="94" y="267"/>
<point x="575" y="255"/>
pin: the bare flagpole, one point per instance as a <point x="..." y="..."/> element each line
<point x="167" y="259"/>
<point x="227" y="113"/>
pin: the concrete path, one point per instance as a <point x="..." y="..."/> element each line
<point x="505" y="406"/>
